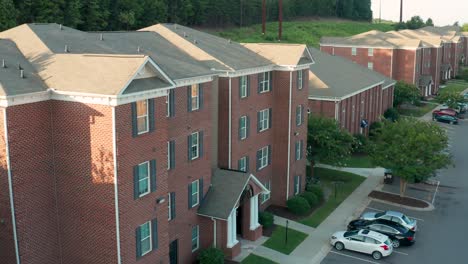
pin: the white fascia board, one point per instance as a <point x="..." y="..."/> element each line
<point x="331" y="99"/>
<point x="362" y="90"/>
<point x="256" y="181"/>
<point x="357" y="46"/>
<point x="391" y="84"/>
<point x="248" y="71"/>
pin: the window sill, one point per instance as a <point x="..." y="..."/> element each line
<point x="260" y="131"/>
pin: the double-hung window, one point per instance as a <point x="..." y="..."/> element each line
<point x="264" y="82"/>
<point x="171" y="154"/>
<point x="243" y="86"/>
<point x="195" y="145"/>
<point x="297" y="184"/>
<point x="299" y="115"/>
<point x="195" y="193"/>
<point x="243" y="123"/>
<point x="370" y="52"/>
<point x="263" y="120"/>
<point x="300" y="80"/>
<point x="353" y="51"/>
<point x="145" y="238"/>
<point x="171" y="206"/>
<point x="263" y="156"/>
<point x="142" y="116"/>
<point x="299" y="150"/>
<point x="243" y="164"/>
<point x="143" y="178"/>
<point x="370" y="65"/>
<point x="195" y="97"/>
<point x="266" y="197"/>
<point x="195" y="238"/>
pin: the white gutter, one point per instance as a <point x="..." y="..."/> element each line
<point x="116" y="188"/>
<point x="10" y="187"/>
<point x="230" y="124"/>
<point x="214" y="231"/>
<point x="289" y="135"/>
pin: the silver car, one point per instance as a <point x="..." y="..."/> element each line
<point x="393" y="216"/>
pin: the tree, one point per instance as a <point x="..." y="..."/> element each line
<point x="327" y="141"/>
<point x="400" y="26"/>
<point x="7" y="14"/>
<point x="412" y="149"/>
<point x="456" y="24"/>
<point x="415" y="22"/>
<point x="465" y="27"/>
<point x="429" y="22"/>
<point x="451" y="99"/>
<point x="72" y="15"/>
<point x="405" y="93"/>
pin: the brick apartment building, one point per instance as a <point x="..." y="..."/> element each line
<point x="423" y="57"/>
<point x="351" y="94"/>
<point x="144" y="147"/>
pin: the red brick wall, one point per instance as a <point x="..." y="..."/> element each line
<point x="223" y="122"/>
<point x="382" y="58"/>
<point x="404" y="65"/>
<point x="29" y="132"/>
<point x="185" y="172"/>
<point x="436" y="63"/>
<point x="82" y="136"/>
<point x="321" y="107"/>
<point x="7" y="248"/>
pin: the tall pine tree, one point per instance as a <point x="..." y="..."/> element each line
<point x="7" y="14"/>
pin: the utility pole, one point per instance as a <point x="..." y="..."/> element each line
<point x="401" y="11"/>
<point x="263" y="16"/>
<point x="380" y="11"/>
<point x="280" y="18"/>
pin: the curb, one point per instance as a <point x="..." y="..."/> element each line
<point x="429" y="207"/>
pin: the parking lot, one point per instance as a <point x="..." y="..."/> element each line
<point x="442" y="233"/>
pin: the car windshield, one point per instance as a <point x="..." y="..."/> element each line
<point x="377" y="215"/>
<point x="387" y="242"/>
<point x="407" y="220"/>
<point x="350" y="233"/>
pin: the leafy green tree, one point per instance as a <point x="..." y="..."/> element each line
<point x="451" y="99"/>
<point x="49" y="11"/>
<point x="465" y="27"/>
<point x="72" y="14"/>
<point x="456" y="24"/>
<point x="95" y="15"/>
<point x="429" y="22"/>
<point x="412" y="149"/>
<point x="415" y="22"/>
<point x="405" y="93"/>
<point x="327" y="141"/>
<point x="400" y="26"/>
<point x="7" y="14"/>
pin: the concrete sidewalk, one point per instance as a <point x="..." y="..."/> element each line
<point x="316" y="246"/>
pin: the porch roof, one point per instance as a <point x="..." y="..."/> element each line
<point x="425" y="80"/>
<point x="225" y="191"/>
<point x="446" y="67"/>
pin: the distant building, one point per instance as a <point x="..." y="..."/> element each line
<point x="353" y="95"/>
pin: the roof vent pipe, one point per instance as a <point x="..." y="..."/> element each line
<point x="22" y="74"/>
<point x="61" y="27"/>
<point x="229" y="40"/>
<point x="185" y="34"/>
<point x="138" y="49"/>
<point x="3" y="63"/>
<point x="66" y="48"/>
<point x="19" y="66"/>
<point x="101" y="36"/>
<point x="195" y="41"/>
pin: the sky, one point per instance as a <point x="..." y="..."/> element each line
<point x="442" y="12"/>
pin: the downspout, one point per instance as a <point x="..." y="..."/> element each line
<point x="437" y="71"/>
<point x="289" y="135"/>
<point x="116" y="188"/>
<point x="10" y="187"/>
<point x="391" y="65"/>
<point x="415" y="58"/>
<point x="230" y="124"/>
<point x="214" y="232"/>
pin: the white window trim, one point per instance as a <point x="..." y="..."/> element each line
<point x="353" y="51"/>
<point x="197" y="238"/>
<point x="299" y="115"/>
<point x="370" y="65"/>
<point x="147" y="179"/>
<point x="196" y="86"/>
<point x="144" y="116"/>
<point x="244" y="129"/>
<point x="196" y="193"/>
<point x="265" y="83"/>
<point x="297" y="185"/>
<point x="148" y="237"/>
<point x="168" y="107"/>
<point x="244" y="83"/>
<point x="244" y="161"/>
<point x="195" y="145"/>
<point x="266" y="197"/>
<point x="264" y="122"/>
<point x="298" y="150"/>
<point x="263" y="157"/>
<point x="169" y="212"/>
<point x="370" y="52"/>
<point x="300" y="83"/>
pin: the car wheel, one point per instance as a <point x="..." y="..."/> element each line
<point x="377" y="255"/>
<point x="395" y="243"/>
<point x="339" y="246"/>
<point x="451" y="122"/>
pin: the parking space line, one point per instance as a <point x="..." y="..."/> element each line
<point x="435" y="193"/>
<point x="375" y="209"/>
<point x="349" y="256"/>
<point x="399" y="252"/>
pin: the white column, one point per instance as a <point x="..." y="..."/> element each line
<point x="232" y="229"/>
<point x="254" y="213"/>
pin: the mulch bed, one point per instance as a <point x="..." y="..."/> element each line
<point x="395" y="198"/>
<point x="228" y="261"/>
<point x="268" y="231"/>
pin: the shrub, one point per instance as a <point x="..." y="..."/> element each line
<point x="211" y="256"/>
<point x="375" y="129"/>
<point x="315" y="189"/>
<point x="298" y="205"/>
<point x="311" y="198"/>
<point x="266" y="219"/>
<point x="360" y="143"/>
<point x="392" y="114"/>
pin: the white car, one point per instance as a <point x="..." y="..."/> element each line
<point x="393" y="216"/>
<point x="365" y="241"/>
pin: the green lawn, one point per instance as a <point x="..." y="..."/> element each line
<point x="357" y="161"/>
<point x="417" y="111"/>
<point x="454" y="86"/>
<point x="254" y="259"/>
<point x="307" y="32"/>
<point x="277" y="240"/>
<point x="350" y="183"/>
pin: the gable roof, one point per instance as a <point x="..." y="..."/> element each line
<point x="334" y="77"/>
<point x="282" y="54"/>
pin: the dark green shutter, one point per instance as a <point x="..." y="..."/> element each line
<point x="189" y="99"/>
<point x="200" y="96"/>
<point x="259" y="155"/>
<point x="190" y="195"/>
<point x="153" y="175"/>
<point x="134" y="120"/>
<point x="239" y="164"/>
<point x="200" y="190"/>
<point x="189" y="145"/>
<point x="300" y="183"/>
<point x="297" y="115"/>
<point x="270" y="83"/>
<point x="154" y="231"/>
<point x="295" y="184"/>
<point x="246" y="163"/>
<point x="248" y="85"/>
<point x="296" y="146"/>
<point x="247" y="126"/>
<point x="151" y="115"/>
<point x="240" y="87"/>
<point x="270" y="117"/>
<point x="258" y="121"/>
<point x="260" y="75"/>
<point x="137" y="242"/>
<point x="173" y="205"/>
<point x="171" y="102"/>
<point x="200" y="143"/>
<point x="269" y="154"/>
<point x="171" y="154"/>
<point x="302" y="114"/>
<point x="302" y="148"/>
<point x="239" y="129"/>
<point x="297" y="79"/>
<point x="136" y="186"/>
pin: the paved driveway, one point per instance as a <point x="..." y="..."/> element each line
<point x="442" y="235"/>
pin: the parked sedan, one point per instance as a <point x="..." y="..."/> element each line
<point x="364" y="241"/>
<point x="445" y="119"/>
<point x="393" y="216"/>
<point x="445" y="111"/>
<point x="398" y="234"/>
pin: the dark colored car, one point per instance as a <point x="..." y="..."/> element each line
<point x="446" y="111"/>
<point x="446" y="119"/>
<point x="398" y="234"/>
